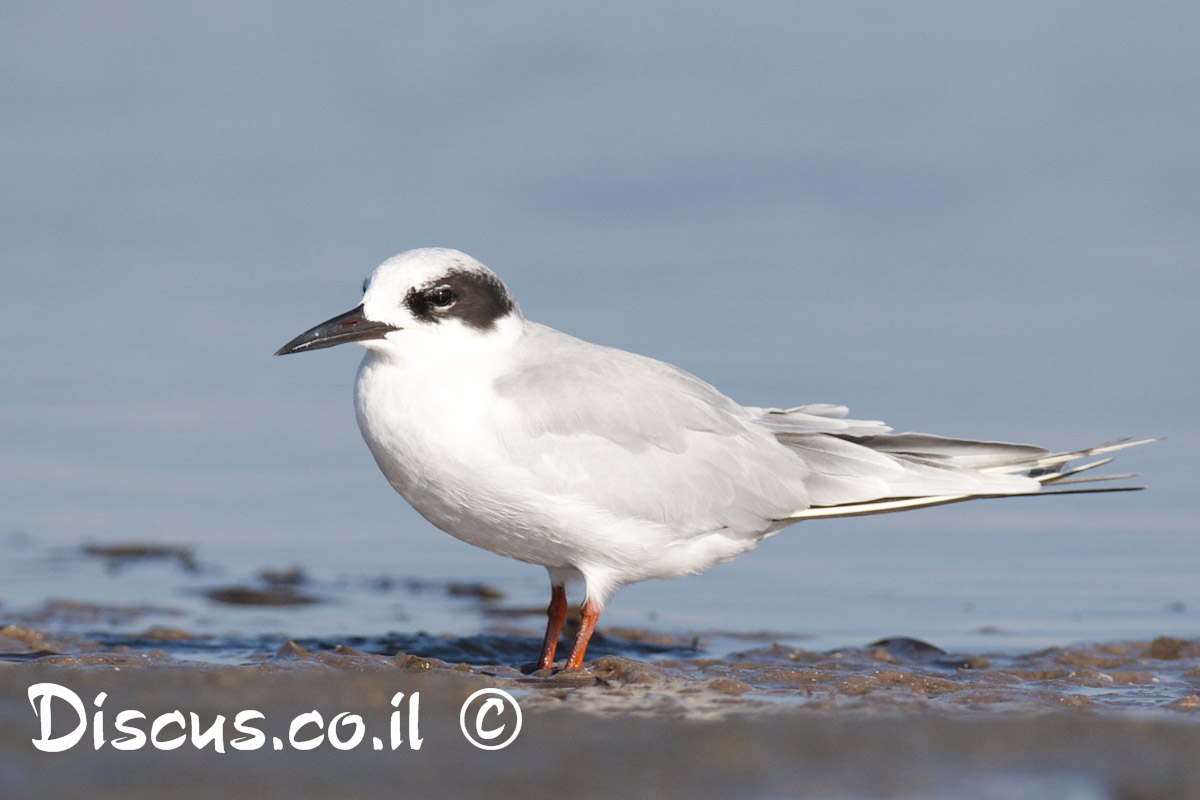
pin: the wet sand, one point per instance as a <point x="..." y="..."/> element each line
<point x="900" y="719"/>
<point x="655" y="714"/>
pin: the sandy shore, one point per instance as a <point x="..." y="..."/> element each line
<point x="896" y="720"/>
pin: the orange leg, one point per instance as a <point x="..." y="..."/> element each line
<point x="555" y="615"/>
<point x="591" y="613"/>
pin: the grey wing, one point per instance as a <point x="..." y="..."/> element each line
<point x="638" y="438"/>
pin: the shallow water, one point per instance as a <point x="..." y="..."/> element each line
<point x="94" y="602"/>
<point x="1062" y="665"/>
<point x="1035" y="584"/>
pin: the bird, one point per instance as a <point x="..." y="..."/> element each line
<point x="607" y="467"/>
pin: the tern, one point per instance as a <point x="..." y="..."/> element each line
<point x="608" y="467"/>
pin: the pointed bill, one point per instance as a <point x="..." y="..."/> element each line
<point x="349" y="327"/>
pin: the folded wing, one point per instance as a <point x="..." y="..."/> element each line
<point x="638" y="438"/>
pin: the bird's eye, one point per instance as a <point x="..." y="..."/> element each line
<point x="441" y="297"/>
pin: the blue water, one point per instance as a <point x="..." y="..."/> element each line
<point x="978" y="225"/>
<point x="960" y="583"/>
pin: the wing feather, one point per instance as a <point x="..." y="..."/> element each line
<point x="638" y="438"/>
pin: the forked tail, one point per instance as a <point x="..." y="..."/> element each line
<point x="989" y="458"/>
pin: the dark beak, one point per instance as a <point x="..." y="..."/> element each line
<point x="349" y="327"/>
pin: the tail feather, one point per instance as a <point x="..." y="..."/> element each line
<point x="1056" y="477"/>
<point x="1097" y="478"/>
<point x="996" y="458"/>
<point x="1037" y="464"/>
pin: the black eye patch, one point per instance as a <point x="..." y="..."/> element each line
<point x="474" y="298"/>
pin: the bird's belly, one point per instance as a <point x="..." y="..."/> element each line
<point x="493" y="506"/>
<point x="476" y="508"/>
<point x="460" y="486"/>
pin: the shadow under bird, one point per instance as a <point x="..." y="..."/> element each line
<point x="609" y="467"/>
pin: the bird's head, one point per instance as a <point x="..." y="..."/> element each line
<point x="419" y="293"/>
